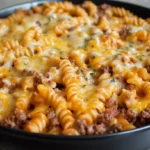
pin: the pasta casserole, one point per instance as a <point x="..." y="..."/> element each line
<point x="69" y="69"/>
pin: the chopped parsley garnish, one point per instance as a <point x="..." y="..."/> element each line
<point x="55" y="48"/>
<point x="92" y="73"/>
<point x="83" y="47"/>
<point x="49" y="19"/>
<point x="93" y="56"/>
<point x="88" y="39"/>
<point x="81" y="70"/>
<point x="94" y="70"/>
<point x="147" y="30"/>
<point x="59" y="20"/>
<point x="69" y="19"/>
<point x="113" y="80"/>
<point x="25" y="63"/>
<point x="131" y="44"/>
<point x="86" y="79"/>
<point x="44" y="32"/>
<point x="124" y="48"/>
<point x="61" y="52"/>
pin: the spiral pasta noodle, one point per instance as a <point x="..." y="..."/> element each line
<point x="134" y="21"/>
<point x="121" y="12"/>
<point x="72" y="89"/>
<point x="37" y="124"/>
<point x="59" y="105"/>
<point x="33" y="33"/>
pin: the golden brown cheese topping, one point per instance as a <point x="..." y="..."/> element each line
<point x="74" y="69"/>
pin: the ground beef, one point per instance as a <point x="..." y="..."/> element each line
<point x="90" y="130"/>
<point x="131" y="116"/>
<point x="46" y="74"/>
<point x="115" y="128"/>
<point x="16" y="119"/>
<point x="148" y="68"/>
<point x="125" y="30"/>
<point x="37" y="81"/>
<point x="31" y="72"/>
<point x="102" y="124"/>
<point x="100" y="128"/>
<point x="129" y="87"/>
<point x="85" y="129"/>
<point x="38" y="23"/>
<point x="111" y="103"/>
<point x="106" y="69"/>
<point x="7" y="84"/>
<point x="146" y="113"/>
<point x="53" y="119"/>
<point x="38" y="78"/>
<point x="81" y="126"/>
<point x="145" y="116"/>
<point x="102" y="10"/>
<point x="148" y="49"/>
<point x="107" y="115"/>
<point x="96" y="128"/>
<point x="110" y="112"/>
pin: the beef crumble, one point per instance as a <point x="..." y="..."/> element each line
<point x="131" y="116"/>
<point x="148" y="68"/>
<point x="145" y="116"/>
<point x="102" y="10"/>
<point x="16" y="119"/>
<point x="53" y="119"/>
<point x="124" y="32"/>
<point x="85" y="129"/>
<point x="106" y="69"/>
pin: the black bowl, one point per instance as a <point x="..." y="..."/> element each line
<point x="136" y="139"/>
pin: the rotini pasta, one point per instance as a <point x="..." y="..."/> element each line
<point x="37" y="124"/>
<point x="59" y="104"/>
<point x="121" y="12"/>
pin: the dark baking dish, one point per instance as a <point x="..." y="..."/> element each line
<point x="137" y="139"/>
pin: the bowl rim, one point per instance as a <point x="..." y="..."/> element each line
<point x="25" y="134"/>
<point x="37" y="136"/>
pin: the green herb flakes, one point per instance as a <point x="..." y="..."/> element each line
<point x="94" y="70"/>
<point x="86" y="79"/>
<point x="92" y="73"/>
<point x="113" y="80"/>
<point x="61" y="52"/>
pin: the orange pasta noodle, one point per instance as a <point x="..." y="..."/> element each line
<point x="37" y="124"/>
<point x="134" y="20"/>
<point x="121" y="12"/>
<point x="71" y="81"/>
<point x="90" y="7"/>
<point x="32" y="34"/>
<point x="59" y="104"/>
<point x="55" y="131"/>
